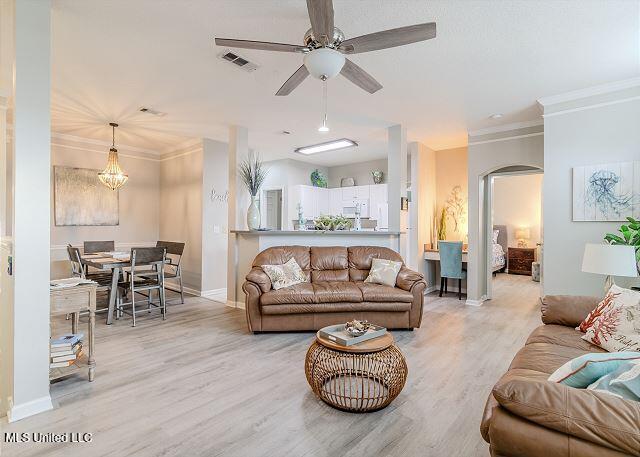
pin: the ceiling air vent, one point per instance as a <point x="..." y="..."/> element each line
<point x="239" y="61"/>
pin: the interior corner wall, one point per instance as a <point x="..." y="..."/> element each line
<point x="422" y="206"/>
<point x="451" y="171"/>
<point x="596" y="135"/>
<point x="139" y="202"/>
<point x="215" y="229"/>
<point x="485" y="155"/>
<point x="181" y="203"/>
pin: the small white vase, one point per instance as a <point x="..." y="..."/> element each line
<point x="253" y="215"/>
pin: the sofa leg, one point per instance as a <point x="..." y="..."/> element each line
<point x="441" y="286"/>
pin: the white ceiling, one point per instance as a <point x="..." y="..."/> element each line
<point x="499" y="56"/>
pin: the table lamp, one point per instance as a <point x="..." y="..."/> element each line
<point x="611" y="260"/>
<point x="522" y="235"/>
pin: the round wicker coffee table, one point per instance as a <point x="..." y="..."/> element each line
<point x="360" y="378"/>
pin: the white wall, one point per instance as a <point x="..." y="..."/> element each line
<point x="181" y="196"/>
<point x="488" y="152"/>
<point x="139" y="201"/>
<point x="361" y="172"/>
<point x="451" y="171"/>
<point x="592" y="130"/>
<point x="517" y="202"/>
<point x="215" y="184"/>
<point x="422" y="206"/>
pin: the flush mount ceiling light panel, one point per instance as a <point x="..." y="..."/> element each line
<point x="324" y="47"/>
<point x="328" y="146"/>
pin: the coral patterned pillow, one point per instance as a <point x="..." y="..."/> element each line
<point x="615" y="323"/>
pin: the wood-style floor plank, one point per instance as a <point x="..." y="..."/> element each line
<point x="198" y="384"/>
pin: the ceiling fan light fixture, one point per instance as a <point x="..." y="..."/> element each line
<point x="324" y="63"/>
<point x="323" y="128"/>
<point x="328" y="146"/>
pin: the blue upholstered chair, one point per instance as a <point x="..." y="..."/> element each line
<point x="451" y="264"/>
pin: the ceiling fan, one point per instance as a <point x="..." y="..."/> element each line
<point x="325" y="46"/>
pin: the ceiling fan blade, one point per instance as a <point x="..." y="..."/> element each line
<point x="260" y="45"/>
<point x="293" y="81"/>
<point x="359" y="77"/>
<point x="389" y="38"/>
<point x="321" y="17"/>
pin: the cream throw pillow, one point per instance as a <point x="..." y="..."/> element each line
<point x="615" y="323"/>
<point x="384" y="272"/>
<point x="285" y="275"/>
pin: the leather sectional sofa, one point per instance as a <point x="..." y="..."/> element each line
<point x="336" y="291"/>
<point x="527" y="416"/>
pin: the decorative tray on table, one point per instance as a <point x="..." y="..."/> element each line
<point x="339" y="335"/>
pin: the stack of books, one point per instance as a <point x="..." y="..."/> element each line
<point x="66" y="350"/>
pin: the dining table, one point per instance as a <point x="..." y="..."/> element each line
<point x="105" y="261"/>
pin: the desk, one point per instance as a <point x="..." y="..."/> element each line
<point x="434" y="255"/>
<point x="74" y="300"/>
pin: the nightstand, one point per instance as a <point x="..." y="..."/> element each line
<point x="520" y="260"/>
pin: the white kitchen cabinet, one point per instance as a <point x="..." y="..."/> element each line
<point x="314" y="201"/>
<point x="321" y="196"/>
<point x="377" y="201"/>
<point x="362" y="192"/>
<point x="335" y="201"/>
<point x="348" y="193"/>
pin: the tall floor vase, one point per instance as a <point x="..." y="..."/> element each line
<point x="253" y="214"/>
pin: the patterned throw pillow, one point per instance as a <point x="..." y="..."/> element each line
<point x="623" y="382"/>
<point x="285" y="275"/>
<point x="384" y="272"/>
<point x="615" y="323"/>
<point x="584" y="370"/>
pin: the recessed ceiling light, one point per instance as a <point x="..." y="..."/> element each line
<point x="496" y="116"/>
<point x="328" y="146"/>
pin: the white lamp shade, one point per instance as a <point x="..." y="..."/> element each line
<point x="612" y="260"/>
<point x="324" y="62"/>
<point x="523" y="233"/>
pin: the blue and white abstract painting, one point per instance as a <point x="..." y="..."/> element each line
<point x="609" y="192"/>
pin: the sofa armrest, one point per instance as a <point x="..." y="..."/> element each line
<point x="569" y="310"/>
<point x="407" y="278"/>
<point x="593" y="416"/>
<point x="259" y="277"/>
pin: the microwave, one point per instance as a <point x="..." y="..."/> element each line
<point x="349" y="207"/>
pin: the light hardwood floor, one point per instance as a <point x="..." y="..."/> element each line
<point x="199" y="384"/>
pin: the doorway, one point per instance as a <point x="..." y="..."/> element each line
<point x="273" y="205"/>
<point x="514" y="231"/>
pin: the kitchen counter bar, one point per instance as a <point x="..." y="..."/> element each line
<point x="316" y="232"/>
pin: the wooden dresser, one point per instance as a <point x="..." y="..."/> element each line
<point x="520" y="260"/>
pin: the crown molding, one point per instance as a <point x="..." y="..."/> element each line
<point x="579" y="94"/>
<point x="507" y="127"/>
<point x="106" y="144"/>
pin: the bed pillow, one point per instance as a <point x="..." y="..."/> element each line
<point x="614" y="324"/>
<point x="623" y="382"/>
<point x="384" y="272"/>
<point x="586" y="369"/>
<point x="285" y="275"/>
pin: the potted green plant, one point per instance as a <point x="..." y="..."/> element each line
<point x="252" y="173"/>
<point x="630" y="236"/>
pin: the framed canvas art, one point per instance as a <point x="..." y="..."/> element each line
<point x="80" y="198"/>
<point x="608" y="192"/>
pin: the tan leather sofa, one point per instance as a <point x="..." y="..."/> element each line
<point x="528" y="416"/>
<point x="335" y="292"/>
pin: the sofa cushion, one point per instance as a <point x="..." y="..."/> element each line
<point x="360" y="258"/>
<point x="384" y="272"/>
<point x="380" y="293"/>
<point x="544" y="357"/>
<point x="329" y="263"/>
<point x="562" y="336"/>
<point x="285" y="275"/>
<point x="336" y="292"/>
<point x="593" y="416"/>
<point x="588" y="368"/>
<point x="344" y="307"/>
<point x="279" y="255"/>
<point x="300" y="293"/>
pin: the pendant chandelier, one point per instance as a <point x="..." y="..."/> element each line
<point x="112" y="176"/>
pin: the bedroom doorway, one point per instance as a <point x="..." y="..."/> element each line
<point x="514" y="229"/>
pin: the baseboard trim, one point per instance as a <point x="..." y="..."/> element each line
<point x="476" y="302"/>
<point x="30" y="408"/>
<point x="235" y="304"/>
<point x="219" y="295"/>
<point x="176" y="288"/>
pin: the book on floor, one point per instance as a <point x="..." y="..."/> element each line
<point x="65" y="363"/>
<point x="66" y="350"/>
<point x="66" y="341"/>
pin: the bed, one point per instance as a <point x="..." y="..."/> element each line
<point x="499" y="249"/>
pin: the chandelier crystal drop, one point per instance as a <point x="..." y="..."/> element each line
<point x="112" y="176"/>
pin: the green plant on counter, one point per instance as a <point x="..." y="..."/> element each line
<point x="442" y="225"/>
<point x="332" y="223"/>
<point x="630" y="237"/>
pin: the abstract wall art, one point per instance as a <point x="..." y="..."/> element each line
<point x="609" y="192"/>
<point x="80" y="198"/>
